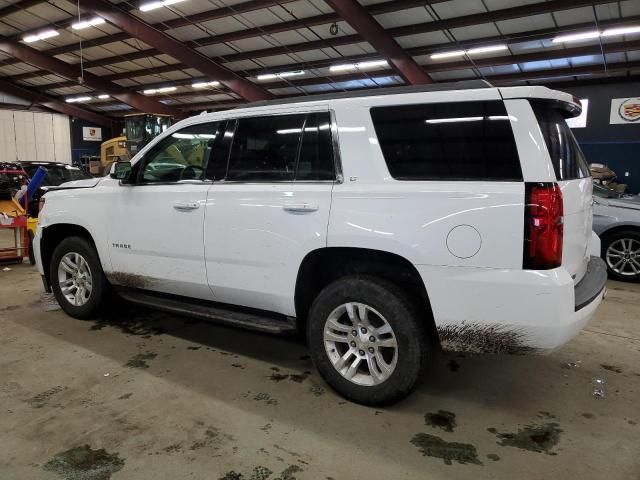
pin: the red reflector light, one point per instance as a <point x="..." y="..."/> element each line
<point x="543" y="226"/>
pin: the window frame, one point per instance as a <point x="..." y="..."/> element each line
<point x="335" y="150"/>
<point x="140" y="165"/>
<point x="443" y="102"/>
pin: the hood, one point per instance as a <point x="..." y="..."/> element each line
<point x="86" y="183"/>
<point x="631" y="202"/>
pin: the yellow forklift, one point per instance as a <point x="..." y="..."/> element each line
<point x="139" y="129"/>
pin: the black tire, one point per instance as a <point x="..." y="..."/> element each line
<point x="414" y="351"/>
<point x="100" y="285"/>
<point x="611" y="240"/>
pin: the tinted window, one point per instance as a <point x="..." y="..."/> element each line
<point x="316" y="152"/>
<point x="567" y="158"/>
<point x="265" y="148"/>
<point x="448" y="141"/>
<point x="183" y="155"/>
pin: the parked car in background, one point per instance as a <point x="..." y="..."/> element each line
<point x="382" y="223"/>
<point x="57" y="174"/>
<point x="616" y="219"/>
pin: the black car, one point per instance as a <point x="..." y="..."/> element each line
<point x="57" y="174"/>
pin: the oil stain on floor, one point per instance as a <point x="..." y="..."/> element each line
<point x="84" y="463"/>
<point x="442" y="419"/>
<point x="433" y="446"/>
<point x="140" y="360"/>
<point x="536" y="438"/>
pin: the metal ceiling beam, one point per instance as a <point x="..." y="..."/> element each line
<point x="168" y="45"/>
<point x="502" y="79"/>
<point x="42" y="60"/>
<point x="376" y="9"/>
<point x="468" y="20"/>
<point x="362" y="22"/>
<point x="449" y="66"/>
<point x="252" y="5"/>
<point x="18" y="7"/>
<point x="53" y="103"/>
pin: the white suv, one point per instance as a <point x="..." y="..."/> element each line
<point x="383" y="223"/>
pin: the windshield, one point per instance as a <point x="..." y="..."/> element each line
<point x="568" y="160"/>
<point x="604" y="192"/>
<point x="57" y="174"/>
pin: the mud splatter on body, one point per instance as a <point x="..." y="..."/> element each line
<point x="480" y="338"/>
<point x="84" y="463"/>
<point x="441" y="419"/>
<point x="432" y="446"/>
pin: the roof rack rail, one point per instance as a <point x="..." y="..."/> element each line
<point x="369" y="92"/>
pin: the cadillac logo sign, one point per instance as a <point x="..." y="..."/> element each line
<point x="625" y="110"/>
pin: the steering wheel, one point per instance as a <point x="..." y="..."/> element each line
<point x="192" y="172"/>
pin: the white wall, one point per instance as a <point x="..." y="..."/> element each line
<point x="34" y="136"/>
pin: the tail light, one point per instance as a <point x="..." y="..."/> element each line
<point x="543" y="226"/>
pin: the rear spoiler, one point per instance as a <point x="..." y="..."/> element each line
<point x="567" y="103"/>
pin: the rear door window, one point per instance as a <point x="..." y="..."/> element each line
<point x="568" y="160"/>
<point x="265" y="148"/>
<point x="282" y="148"/>
<point x="448" y="141"/>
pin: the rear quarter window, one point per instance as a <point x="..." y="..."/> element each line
<point x="448" y="141"/>
<point x="568" y="160"/>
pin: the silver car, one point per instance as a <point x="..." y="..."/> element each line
<point x="616" y="219"/>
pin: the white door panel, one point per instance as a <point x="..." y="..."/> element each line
<point x="156" y="238"/>
<point x="256" y="236"/>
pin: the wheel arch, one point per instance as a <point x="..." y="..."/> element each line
<point x="52" y="235"/>
<point x="322" y="266"/>
<point x="619" y="227"/>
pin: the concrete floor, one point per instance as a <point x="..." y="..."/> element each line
<point x="144" y="395"/>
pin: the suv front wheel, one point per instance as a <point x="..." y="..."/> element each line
<point x="367" y="340"/>
<point x="77" y="279"/>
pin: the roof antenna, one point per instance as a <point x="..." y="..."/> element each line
<point x="81" y="77"/>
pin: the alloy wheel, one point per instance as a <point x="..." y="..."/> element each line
<point x="360" y="344"/>
<point x="623" y="256"/>
<point x="74" y="279"/>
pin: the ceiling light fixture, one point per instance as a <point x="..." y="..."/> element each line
<point x="454" y="53"/>
<point x="490" y="48"/>
<point x="205" y="84"/>
<point x="40" y="36"/>
<point x="359" y="66"/>
<point x="104" y="96"/>
<point x="152" y="91"/>
<point x="621" y="31"/>
<point x="271" y="76"/>
<point x="146" y="7"/>
<point x="471" y="51"/>
<point x="88" y="23"/>
<point x="576" y="37"/>
<point x="77" y="99"/>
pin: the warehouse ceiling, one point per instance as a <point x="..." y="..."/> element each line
<point x="179" y="56"/>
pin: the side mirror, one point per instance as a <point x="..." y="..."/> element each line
<point x="120" y="170"/>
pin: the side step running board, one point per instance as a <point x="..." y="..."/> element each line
<point x="267" y="322"/>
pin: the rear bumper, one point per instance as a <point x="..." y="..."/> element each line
<point x="510" y="311"/>
<point x="592" y="284"/>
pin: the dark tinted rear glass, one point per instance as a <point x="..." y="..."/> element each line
<point x="316" y="153"/>
<point x="567" y="158"/>
<point x="448" y="141"/>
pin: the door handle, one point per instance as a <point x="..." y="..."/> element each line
<point x="186" y="205"/>
<point x="300" y="207"/>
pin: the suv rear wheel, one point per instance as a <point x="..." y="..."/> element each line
<point x="621" y="252"/>
<point x="367" y="340"/>
<point x="77" y="279"/>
